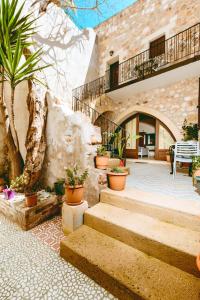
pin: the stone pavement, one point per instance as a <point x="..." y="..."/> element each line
<point x="154" y="177"/>
<point x="30" y="270"/>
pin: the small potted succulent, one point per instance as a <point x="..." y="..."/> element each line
<point x="31" y="195"/>
<point x="74" y="188"/>
<point x="59" y="187"/>
<point x="101" y="160"/>
<point x="117" y="179"/>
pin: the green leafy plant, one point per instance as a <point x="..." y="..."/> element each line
<point x="75" y="176"/>
<point x="59" y="186"/>
<point x="101" y="151"/>
<point x="116" y="170"/>
<point x="195" y="163"/>
<point x="19" y="183"/>
<point x="190" y="131"/>
<point x="121" y="142"/>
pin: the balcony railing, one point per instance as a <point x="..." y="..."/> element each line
<point x="176" y="49"/>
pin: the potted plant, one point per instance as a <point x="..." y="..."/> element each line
<point x="101" y="160"/>
<point x="59" y="187"/>
<point x="2" y="183"/>
<point x="74" y="188"/>
<point x="20" y="185"/>
<point x="117" y="179"/>
<point x="121" y="143"/>
<point x="190" y="131"/>
<point x="196" y="171"/>
<point x="31" y="195"/>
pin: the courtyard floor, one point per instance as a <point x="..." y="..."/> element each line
<point x="154" y="177"/>
<point x="30" y="269"/>
<point x="30" y="266"/>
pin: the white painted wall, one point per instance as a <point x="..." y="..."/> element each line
<point x="73" y="55"/>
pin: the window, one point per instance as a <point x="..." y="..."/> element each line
<point x="157" y="47"/>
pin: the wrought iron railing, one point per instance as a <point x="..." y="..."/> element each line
<point x="112" y="133"/>
<point x="184" y="45"/>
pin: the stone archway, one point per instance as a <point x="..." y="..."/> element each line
<point x="157" y="114"/>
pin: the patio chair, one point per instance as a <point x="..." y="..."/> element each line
<point x="142" y="151"/>
<point x="183" y="152"/>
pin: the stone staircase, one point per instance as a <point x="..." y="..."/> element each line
<point x="139" y="246"/>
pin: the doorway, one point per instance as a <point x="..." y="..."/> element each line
<point x="155" y="138"/>
<point x="114" y="75"/>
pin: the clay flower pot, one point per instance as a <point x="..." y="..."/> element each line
<point x="117" y="181"/>
<point x="198" y="262"/>
<point x="102" y="162"/>
<point x="2" y="182"/>
<point x="74" y="195"/>
<point x="31" y="200"/>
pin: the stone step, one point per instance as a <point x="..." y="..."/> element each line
<point x="170" y="243"/>
<point x="185" y="213"/>
<point x="124" y="271"/>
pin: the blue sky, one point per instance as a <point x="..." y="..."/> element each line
<point x="87" y="18"/>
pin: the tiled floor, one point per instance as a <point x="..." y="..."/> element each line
<point x="50" y="233"/>
<point x="30" y="270"/>
<point x="155" y="177"/>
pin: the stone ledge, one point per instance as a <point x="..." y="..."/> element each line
<point x="124" y="271"/>
<point x="29" y="217"/>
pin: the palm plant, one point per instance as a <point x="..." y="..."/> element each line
<point x="15" y="33"/>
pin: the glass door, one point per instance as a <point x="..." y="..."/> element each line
<point x="132" y="129"/>
<point x="164" y="139"/>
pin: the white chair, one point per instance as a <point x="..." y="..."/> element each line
<point x="184" y="151"/>
<point x="143" y="151"/>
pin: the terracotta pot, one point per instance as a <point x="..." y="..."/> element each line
<point x="117" y="181"/>
<point x="102" y="162"/>
<point x="1" y="188"/>
<point x="198" y="262"/>
<point x="74" y="195"/>
<point x="2" y="182"/>
<point x="31" y="200"/>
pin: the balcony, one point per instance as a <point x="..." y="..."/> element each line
<point x="180" y="49"/>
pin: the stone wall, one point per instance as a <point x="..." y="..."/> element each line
<point x="130" y="32"/>
<point x="171" y="104"/>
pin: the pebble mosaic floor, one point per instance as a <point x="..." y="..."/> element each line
<point x="155" y="177"/>
<point x="31" y="270"/>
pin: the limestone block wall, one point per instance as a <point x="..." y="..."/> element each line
<point x="171" y="104"/>
<point x="130" y="32"/>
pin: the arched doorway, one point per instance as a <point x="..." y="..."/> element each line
<point x="155" y="138"/>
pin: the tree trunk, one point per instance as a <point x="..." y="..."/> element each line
<point x="15" y="157"/>
<point x="36" y="134"/>
<point x="12" y="118"/>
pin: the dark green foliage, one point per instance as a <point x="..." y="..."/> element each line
<point x="190" y="131"/>
<point x="117" y="170"/>
<point x="101" y="151"/>
<point x="75" y="177"/>
<point x="195" y="163"/>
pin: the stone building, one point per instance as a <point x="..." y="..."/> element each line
<point x="146" y="75"/>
